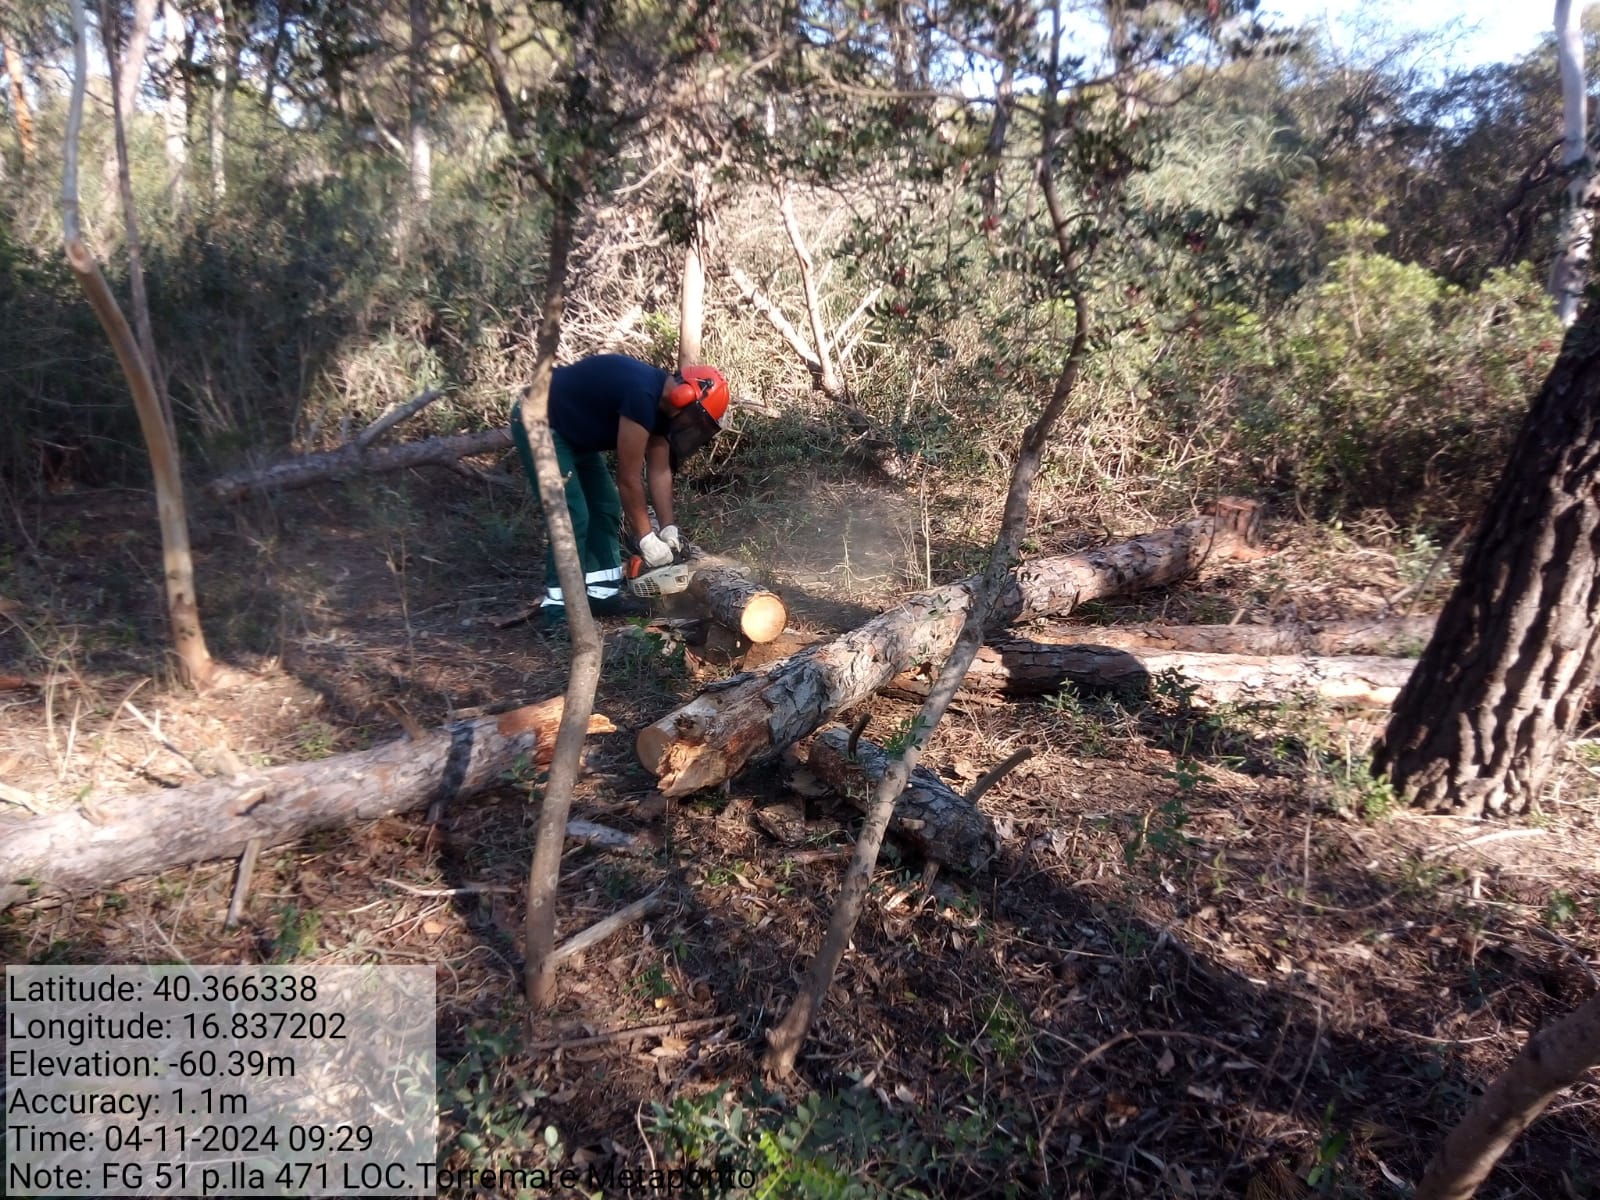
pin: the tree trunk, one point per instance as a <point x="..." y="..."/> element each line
<point x="725" y="591"/>
<point x="221" y="99"/>
<point x="753" y="716"/>
<point x="938" y="821"/>
<point x="984" y="596"/>
<point x="1570" y="270"/>
<point x="1019" y="668"/>
<point x="107" y="840"/>
<point x="175" y="113"/>
<point x="421" y="143"/>
<point x="132" y="66"/>
<point x="1398" y="637"/>
<point x="1505" y="679"/>
<point x="544" y="872"/>
<point x="1554" y="1058"/>
<point x="126" y="71"/>
<point x="692" y="295"/>
<point x="21" y="110"/>
<point x="182" y="609"/>
<point x="827" y="375"/>
<point x="355" y="459"/>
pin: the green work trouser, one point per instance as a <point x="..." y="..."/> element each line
<point x="596" y="510"/>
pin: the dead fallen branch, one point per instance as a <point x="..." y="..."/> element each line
<point x="1024" y="668"/>
<point x="753" y="716"/>
<point x="393" y="417"/>
<point x="606" y="838"/>
<point x="354" y="459"/>
<point x="629" y="1032"/>
<point x="1400" y="637"/>
<point x="106" y="840"/>
<point x="601" y="930"/>
<point x="941" y="823"/>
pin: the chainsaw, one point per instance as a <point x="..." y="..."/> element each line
<point x="651" y="583"/>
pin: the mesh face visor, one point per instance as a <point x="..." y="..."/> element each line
<point x="692" y="428"/>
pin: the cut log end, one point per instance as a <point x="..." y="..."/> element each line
<point x="764" y="618"/>
<point x="651" y="745"/>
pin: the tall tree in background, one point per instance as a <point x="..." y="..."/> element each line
<point x="224" y="77"/>
<point x="175" y="110"/>
<point x="21" y="110"/>
<point x="154" y="419"/>
<point x="125" y="47"/>
<point x="1501" y="686"/>
<point x="420" y="143"/>
<point x="1569" y="272"/>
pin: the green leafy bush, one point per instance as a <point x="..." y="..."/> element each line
<point x="1382" y="385"/>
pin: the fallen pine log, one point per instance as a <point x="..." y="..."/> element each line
<point x="753" y="716"/>
<point x="1024" y="668"/>
<point x="357" y="458"/>
<point x="937" y="820"/>
<point x="104" y="841"/>
<point x="1401" y="637"/>
<point x="730" y="597"/>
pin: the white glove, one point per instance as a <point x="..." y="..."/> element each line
<point x="654" y="551"/>
<point x="672" y="538"/>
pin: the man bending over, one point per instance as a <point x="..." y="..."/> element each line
<point x="654" y="420"/>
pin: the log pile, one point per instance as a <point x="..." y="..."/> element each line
<point x="753" y="716"/>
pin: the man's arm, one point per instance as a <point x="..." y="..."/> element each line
<point x="658" y="456"/>
<point x="632" y="438"/>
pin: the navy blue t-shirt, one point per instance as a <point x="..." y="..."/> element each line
<point x="587" y="398"/>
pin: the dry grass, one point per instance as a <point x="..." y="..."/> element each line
<point x="1192" y="971"/>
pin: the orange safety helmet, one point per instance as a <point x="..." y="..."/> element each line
<point x="704" y="384"/>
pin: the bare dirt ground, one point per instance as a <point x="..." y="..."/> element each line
<point x="1210" y="959"/>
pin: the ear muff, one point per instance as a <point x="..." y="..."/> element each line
<point x="683" y="394"/>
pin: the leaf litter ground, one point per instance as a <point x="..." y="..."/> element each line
<point x="1210" y="959"/>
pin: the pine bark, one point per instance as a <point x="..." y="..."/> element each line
<point x="1503" y="683"/>
<point x="938" y="821"/>
<point x="21" y="110"/>
<point x="727" y="594"/>
<point x="753" y="716"/>
<point x="109" y="839"/>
